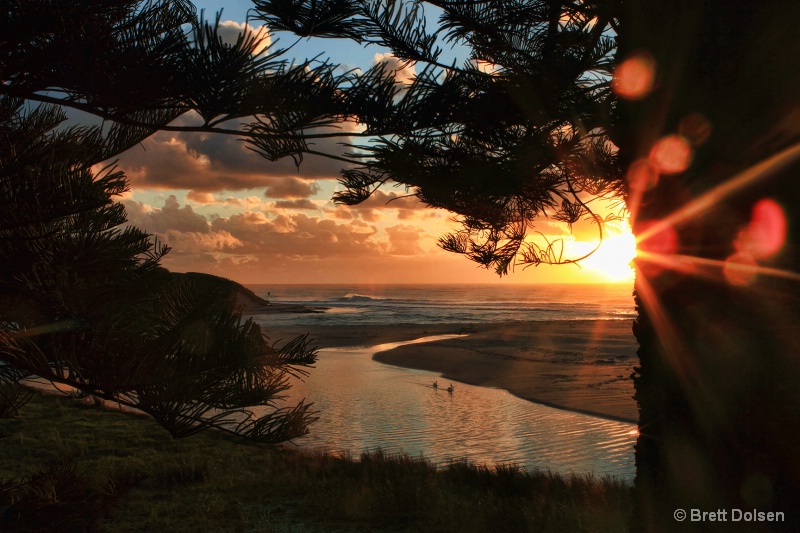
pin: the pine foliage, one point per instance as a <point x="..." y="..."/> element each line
<point x="138" y="66"/>
<point x="515" y="133"/>
<point x="84" y="302"/>
<point x="87" y="305"/>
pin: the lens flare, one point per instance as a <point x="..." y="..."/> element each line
<point x="641" y="176"/>
<point x="659" y="239"/>
<point x="671" y="154"/>
<point x="758" y="172"/>
<point x="766" y="233"/>
<point x="740" y="269"/>
<point x="634" y="78"/>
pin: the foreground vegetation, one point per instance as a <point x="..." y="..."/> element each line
<point x="211" y="482"/>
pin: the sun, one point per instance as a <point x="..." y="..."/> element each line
<point x="612" y="260"/>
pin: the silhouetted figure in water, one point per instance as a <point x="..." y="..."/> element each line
<point x="435" y="384"/>
<point x="450" y="389"/>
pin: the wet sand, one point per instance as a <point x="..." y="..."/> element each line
<point x="580" y="365"/>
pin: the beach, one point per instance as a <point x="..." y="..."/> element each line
<point x="579" y="365"/>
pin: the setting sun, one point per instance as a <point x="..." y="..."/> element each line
<point x="613" y="258"/>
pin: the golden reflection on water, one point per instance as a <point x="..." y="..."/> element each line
<point x="363" y="404"/>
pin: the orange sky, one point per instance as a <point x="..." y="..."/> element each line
<point x="236" y="215"/>
<point x="226" y="211"/>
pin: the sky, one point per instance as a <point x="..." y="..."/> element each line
<point x="225" y="210"/>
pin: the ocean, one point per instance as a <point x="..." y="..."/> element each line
<point x="364" y="405"/>
<point x="438" y="304"/>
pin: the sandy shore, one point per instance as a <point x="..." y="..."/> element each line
<point x="582" y="366"/>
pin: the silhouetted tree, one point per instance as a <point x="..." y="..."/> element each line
<point x="529" y="127"/>
<point x="512" y="134"/>
<point x="83" y="300"/>
<point x="718" y="347"/>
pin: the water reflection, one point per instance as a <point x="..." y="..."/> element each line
<point x="363" y="404"/>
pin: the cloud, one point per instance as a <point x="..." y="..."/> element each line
<point x="191" y="242"/>
<point x="201" y="197"/>
<point x="303" y="203"/>
<point x="254" y="234"/>
<point x="206" y="162"/>
<point x="404" y="71"/>
<point x="341" y="212"/>
<point x="382" y="204"/>
<point x="169" y="217"/>
<point x="259" y="246"/>
<point x="163" y="161"/>
<point x="291" y="188"/>
<point x="185" y="231"/>
<point x="390" y="200"/>
<point x="404" y="240"/>
<point x="299" y="237"/>
<point x="229" y="31"/>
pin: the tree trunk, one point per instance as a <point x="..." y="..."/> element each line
<point x="717" y="388"/>
<point x="718" y="384"/>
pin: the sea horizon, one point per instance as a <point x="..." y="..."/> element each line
<point x="369" y="303"/>
<point x="425" y="283"/>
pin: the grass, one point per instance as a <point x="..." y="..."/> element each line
<point x="211" y="482"/>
